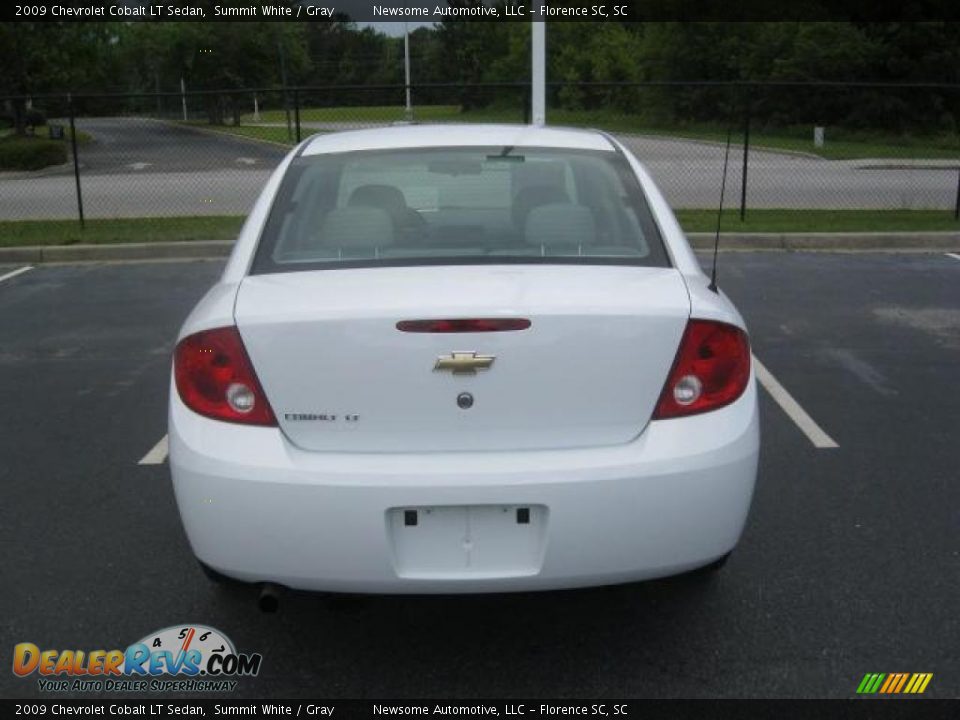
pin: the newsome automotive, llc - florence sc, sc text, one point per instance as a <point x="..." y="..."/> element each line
<point x="161" y="11"/>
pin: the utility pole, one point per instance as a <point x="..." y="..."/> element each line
<point x="538" y="100"/>
<point x="183" y="97"/>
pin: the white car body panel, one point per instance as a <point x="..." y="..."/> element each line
<point x="480" y="135"/>
<point x="611" y="495"/>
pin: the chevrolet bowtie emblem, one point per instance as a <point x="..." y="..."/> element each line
<point x="464" y="363"/>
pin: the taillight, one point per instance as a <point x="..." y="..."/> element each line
<point x="215" y="378"/>
<point x="711" y="370"/>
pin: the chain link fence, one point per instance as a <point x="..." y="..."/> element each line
<point x="794" y="146"/>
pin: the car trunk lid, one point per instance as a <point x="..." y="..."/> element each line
<point x="341" y="376"/>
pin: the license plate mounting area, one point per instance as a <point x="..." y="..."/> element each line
<point x="467" y="541"/>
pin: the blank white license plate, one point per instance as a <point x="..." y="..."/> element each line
<point x="472" y="541"/>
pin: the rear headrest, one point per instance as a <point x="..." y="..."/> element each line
<point x="560" y="224"/>
<point x="356" y="227"/>
<point x="381" y="196"/>
<point x="534" y="196"/>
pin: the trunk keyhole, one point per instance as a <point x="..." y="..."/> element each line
<point x="465" y="400"/>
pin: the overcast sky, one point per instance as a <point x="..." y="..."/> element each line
<point x="394" y="28"/>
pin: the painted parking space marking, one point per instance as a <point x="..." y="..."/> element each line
<point x="791" y="407"/>
<point x="157" y="454"/>
<point x="15" y="273"/>
<point x="955" y="256"/>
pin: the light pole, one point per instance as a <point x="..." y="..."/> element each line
<point x="538" y="67"/>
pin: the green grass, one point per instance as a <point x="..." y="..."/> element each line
<point x="775" y="220"/>
<point x="363" y="114"/>
<point x="121" y="230"/>
<point x="839" y="145"/>
<point x="82" y="137"/>
<point x="226" y="227"/>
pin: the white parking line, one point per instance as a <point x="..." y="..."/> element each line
<point x="791" y="407"/>
<point x="15" y="273"/>
<point x="953" y="255"/>
<point x="157" y="454"/>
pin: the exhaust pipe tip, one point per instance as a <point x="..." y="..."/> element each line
<point x="269" y="599"/>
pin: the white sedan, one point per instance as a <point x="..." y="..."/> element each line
<point x="456" y="359"/>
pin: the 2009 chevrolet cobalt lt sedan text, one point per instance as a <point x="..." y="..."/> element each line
<point x="462" y="359"/>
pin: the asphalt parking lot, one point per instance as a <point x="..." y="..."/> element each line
<point x="850" y="562"/>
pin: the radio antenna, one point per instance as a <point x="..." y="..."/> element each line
<point x="716" y="237"/>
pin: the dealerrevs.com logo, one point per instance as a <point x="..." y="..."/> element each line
<point x="180" y="658"/>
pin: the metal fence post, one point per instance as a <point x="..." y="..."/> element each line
<point x="285" y="98"/>
<point x="746" y="155"/>
<point x="76" y="160"/>
<point x="296" y="111"/>
<point x="956" y="205"/>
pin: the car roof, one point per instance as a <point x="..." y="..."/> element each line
<point x="452" y="135"/>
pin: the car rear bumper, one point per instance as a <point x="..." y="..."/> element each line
<point x="256" y="508"/>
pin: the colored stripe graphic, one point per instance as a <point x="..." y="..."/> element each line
<point x="870" y="683"/>
<point x="894" y="683"/>
<point x="891" y="680"/>
<point x="903" y="680"/>
<point x="918" y="683"/>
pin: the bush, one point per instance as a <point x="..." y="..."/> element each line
<point x="30" y="153"/>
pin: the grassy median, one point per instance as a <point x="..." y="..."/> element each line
<point x="820" y="221"/>
<point x="120" y="230"/>
<point x="226" y="227"/>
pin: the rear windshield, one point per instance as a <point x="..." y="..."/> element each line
<point x="459" y="205"/>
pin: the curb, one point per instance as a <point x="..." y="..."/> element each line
<point x="776" y="242"/>
<point x="722" y="144"/>
<point x="186" y="250"/>
<point x="832" y="242"/>
<point x="227" y="133"/>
